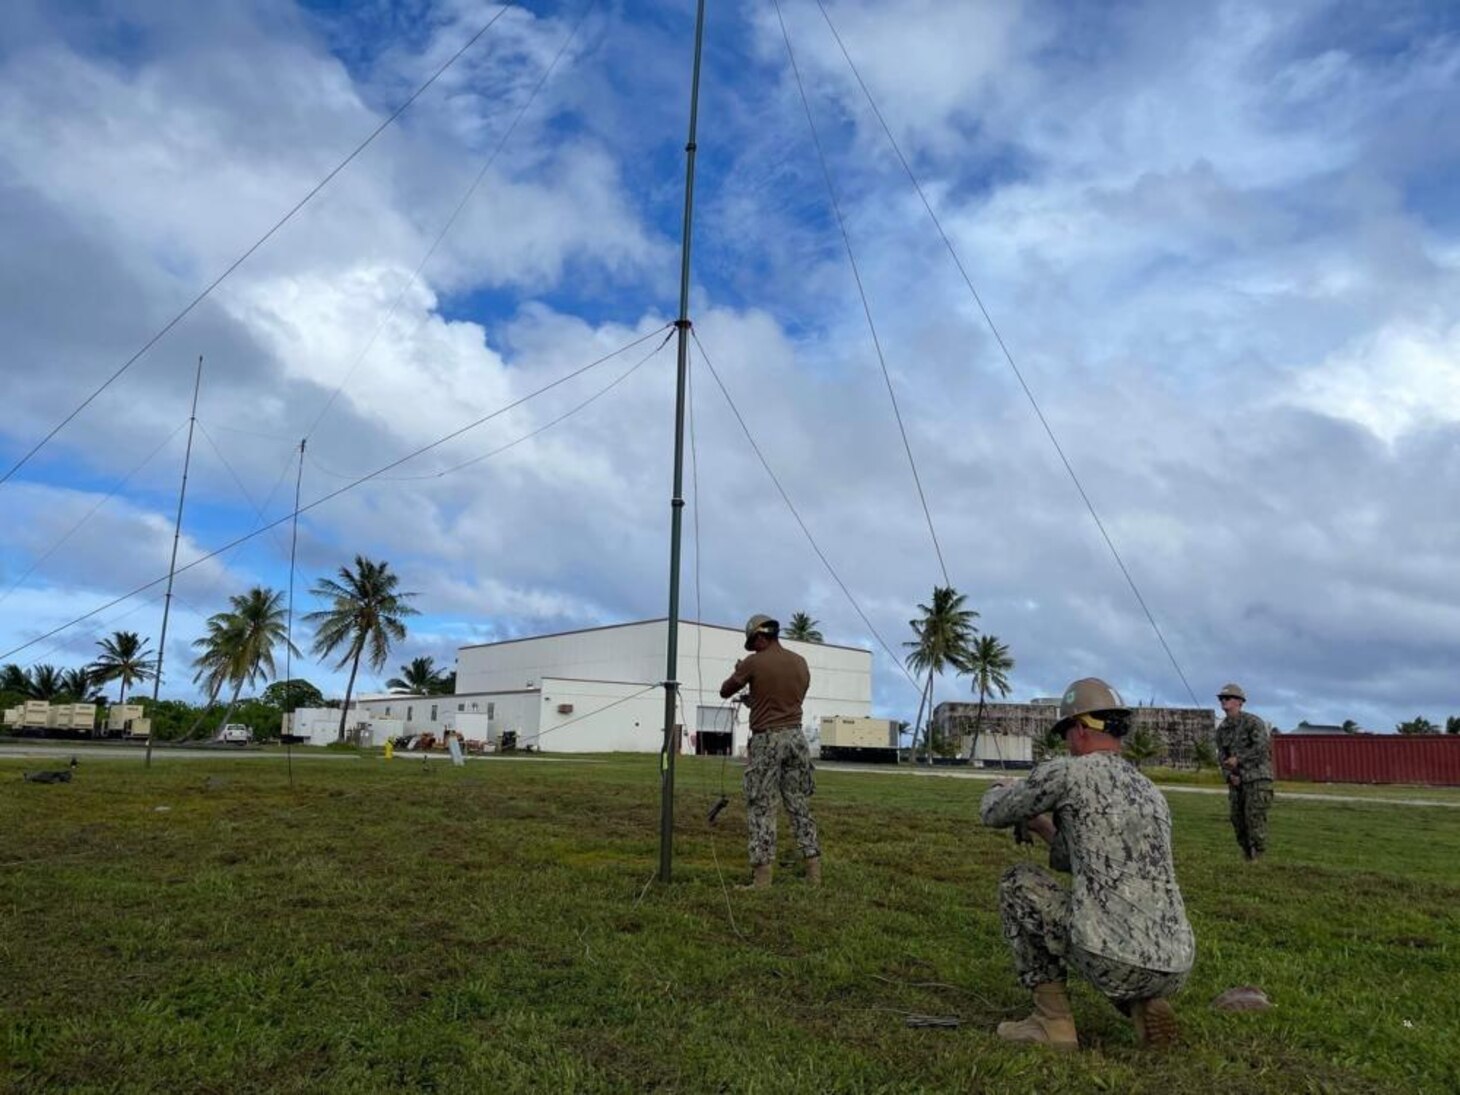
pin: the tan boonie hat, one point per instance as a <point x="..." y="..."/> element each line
<point x="760" y="625"/>
<point x="1233" y="690"/>
<point x="1087" y="696"/>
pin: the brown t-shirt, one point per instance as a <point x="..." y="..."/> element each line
<point x="778" y="680"/>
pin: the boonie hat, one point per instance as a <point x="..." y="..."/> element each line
<point x="1234" y="691"/>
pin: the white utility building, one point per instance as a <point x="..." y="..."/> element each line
<point x="600" y="690"/>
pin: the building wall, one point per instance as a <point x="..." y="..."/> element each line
<point x="636" y="653"/>
<point x="516" y="710"/>
<point x="1177" y="729"/>
<point x="597" y="671"/>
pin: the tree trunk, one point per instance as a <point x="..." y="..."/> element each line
<point x="978" y="724"/>
<point x="350" y="688"/>
<point x="918" y="723"/>
<point x="232" y="703"/>
<point x="927" y="703"/>
<point x="203" y="714"/>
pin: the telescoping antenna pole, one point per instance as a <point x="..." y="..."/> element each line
<point x="289" y="633"/>
<point x="676" y="504"/>
<point x="182" y="494"/>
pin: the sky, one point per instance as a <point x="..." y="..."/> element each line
<point x="1219" y="242"/>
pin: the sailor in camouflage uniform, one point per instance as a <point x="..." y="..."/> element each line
<point x="1245" y="753"/>
<point x="780" y="759"/>
<point x="1122" y="923"/>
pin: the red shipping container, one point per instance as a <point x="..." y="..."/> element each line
<point x="1432" y="759"/>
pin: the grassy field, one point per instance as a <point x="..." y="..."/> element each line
<point x="204" y="927"/>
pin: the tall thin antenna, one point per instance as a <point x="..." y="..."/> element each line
<point x="182" y="494"/>
<point x="289" y="632"/>
<point x="676" y="504"/>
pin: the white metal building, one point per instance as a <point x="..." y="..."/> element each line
<point x="600" y="689"/>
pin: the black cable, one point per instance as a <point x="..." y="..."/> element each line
<point x="1009" y="357"/>
<point x="792" y="507"/>
<point x="598" y="710"/>
<point x="461" y="205"/>
<point x="116" y="488"/>
<point x="519" y="440"/>
<point x="257" y="509"/>
<point x="336" y="493"/>
<point x="862" y="293"/>
<point x="175" y="320"/>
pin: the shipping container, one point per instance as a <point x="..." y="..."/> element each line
<point x="1003" y="751"/>
<point x="848" y="737"/>
<point x="119" y="714"/>
<point x="1432" y="759"/>
<point x="858" y="733"/>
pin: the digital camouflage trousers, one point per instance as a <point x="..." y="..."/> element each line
<point x="780" y="765"/>
<point x="1035" y="910"/>
<point x="1248" y="804"/>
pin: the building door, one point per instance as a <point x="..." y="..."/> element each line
<point x="714" y="730"/>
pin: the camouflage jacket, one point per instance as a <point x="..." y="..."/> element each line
<point x="1113" y="833"/>
<point x="1245" y="737"/>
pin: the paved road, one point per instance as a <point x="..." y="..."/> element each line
<point x="60" y="750"/>
<point x="1182" y="788"/>
<point x="64" y="750"/>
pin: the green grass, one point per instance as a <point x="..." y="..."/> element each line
<point x="420" y="927"/>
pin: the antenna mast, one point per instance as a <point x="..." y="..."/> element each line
<point x="289" y="633"/>
<point x="676" y="504"/>
<point x="182" y="493"/>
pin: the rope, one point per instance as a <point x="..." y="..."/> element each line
<point x="792" y="507"/>
<point x="175" y="320"/>
<point x="862" y="293"/>
<point x="598" y="711"/>
<point x="1008" y="356"/>
<point x="257" y="509"/>
<point x="336" y="493"/>
<point x="451" y="220"/>
<point x="525" y="437"/>
<point x="120" y="483"/>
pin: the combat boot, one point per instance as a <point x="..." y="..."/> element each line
<point x="1052" y="1023"/>
<point x="1155" y="1022"/>
<point x="760" y="878"/>
<point x="813" y="870"/>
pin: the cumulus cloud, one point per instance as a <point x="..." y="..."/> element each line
<point x="1216" y="241"/>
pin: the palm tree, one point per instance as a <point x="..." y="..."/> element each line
<point x="945" y="633"/>
<point x="239" y="646"/>
<point x="213" y="667"/>
<point x="365" y="610"/>
<point x="124" y="657"/>
<point x="79" y="684"/>
<point x="420" y="678"/>
<point x="13" y="679"/>
<point x="802" y="627"/>
<point x="989" y="664"/>
<point x="43" y="682"/>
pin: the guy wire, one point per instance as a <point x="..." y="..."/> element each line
<point x="175" y="320"/>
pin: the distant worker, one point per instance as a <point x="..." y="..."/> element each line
<point x="1122" y="923"/>
<point x="1244" y="750"/>
<point x="780" y="760"/>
